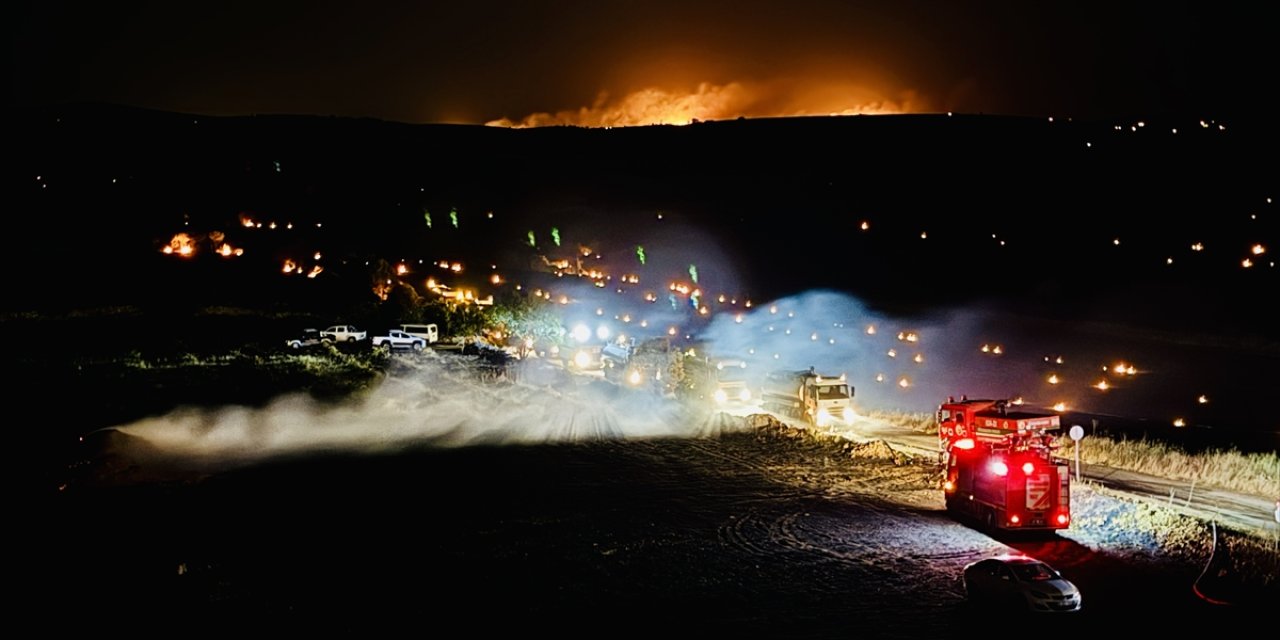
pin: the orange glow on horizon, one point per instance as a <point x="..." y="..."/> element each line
<point x="707" y="101"/>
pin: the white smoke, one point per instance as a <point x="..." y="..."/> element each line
<point x="829" y="331"/>
<point x="431" y="400"/>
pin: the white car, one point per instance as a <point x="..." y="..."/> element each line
<point x="1019" y="582"/>
<point x="396" y="339"/>
<point x="342" y="333"/>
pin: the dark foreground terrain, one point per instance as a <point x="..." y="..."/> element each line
<point x="748" y="532"/>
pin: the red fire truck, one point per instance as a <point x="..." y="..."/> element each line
<point x="1000" y="467"/>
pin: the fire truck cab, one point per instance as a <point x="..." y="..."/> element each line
<point x="1000" y="467"/>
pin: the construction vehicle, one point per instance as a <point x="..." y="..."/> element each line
<point x="820" y="400"/>
<point x="732" y="388"/>
<point x="1000" y="467"/>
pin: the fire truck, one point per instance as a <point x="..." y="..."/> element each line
<point x="1000" y="466"/>
<point x="821" y="400"/>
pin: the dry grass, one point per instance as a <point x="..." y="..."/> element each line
<point x="1252" y="473"/>
<point x="920" y="421"/>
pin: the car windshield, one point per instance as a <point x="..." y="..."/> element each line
<point x="1034" y="572"/>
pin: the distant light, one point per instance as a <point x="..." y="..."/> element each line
<point x="1203" y="399"/>
<point x="1258" y="250"/>
<point x="871" y="329"/>
<point x="924" y="235"/>
<point x="1102" y="385"/>
<point x="1060" y="407"/>
<point x="738" y="318"/>
<point x="602" y="332"/>
<point x="1116" y="242"/>
<point x="919" y="358"/>
<point x="879" y="377"/>
<point x="773" y="309"/>
<point x="1179" y="422"/>
<point x="892" y="353"/>
<point x="1199" y="246"/>
<point x="1246" y="263"/>
<point x="865" y="226"/>
<point x="581" y="333"/>
<point x="1089" y="144"/>
<point x="1168" y="260"/>
<point x="1054" y="379"/>
<point x="904" y="382"/>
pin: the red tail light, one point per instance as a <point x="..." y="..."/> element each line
<point x="1027" y="468"/>
<point x="1062" y="518"/>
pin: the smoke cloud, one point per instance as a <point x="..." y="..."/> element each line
<point x="893" y="363"/>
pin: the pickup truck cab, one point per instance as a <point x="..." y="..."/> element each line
<point x="342" y="333"/>
<point x="396" y="339"/>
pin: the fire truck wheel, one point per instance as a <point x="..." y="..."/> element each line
<point x="990" y="520"/>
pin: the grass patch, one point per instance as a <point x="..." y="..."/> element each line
<point x="1252" y="473"/>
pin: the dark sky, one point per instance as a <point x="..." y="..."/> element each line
<point x="481" y="61"/>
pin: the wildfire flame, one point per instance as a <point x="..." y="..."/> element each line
<point x="182" y="245"/>
<point x="653" y="105"/>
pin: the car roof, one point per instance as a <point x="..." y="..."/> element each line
<point x="1008" y="559"/>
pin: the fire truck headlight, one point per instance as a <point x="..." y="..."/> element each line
<point x="999" y="468"/>
<point x="1027" y="468"/>
<point x="824" y="417"/>
<point x="582" y="359"/>
<point x="721" y="396"/>
<point x="745" y="395"/>
<point x="633" y="377"/>
<point x="847" y="414"/>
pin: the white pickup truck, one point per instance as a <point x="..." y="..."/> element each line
<point x="343" y="333"/>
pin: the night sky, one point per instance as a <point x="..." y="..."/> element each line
<point x="599" y="63"/>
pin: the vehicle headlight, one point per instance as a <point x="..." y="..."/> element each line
<point x="745" y="395"/>
<point x="721" y="396"/>
<point x="824" y="417"/>
<point x="847" y="414"/>
<point x="582" y="359"/>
